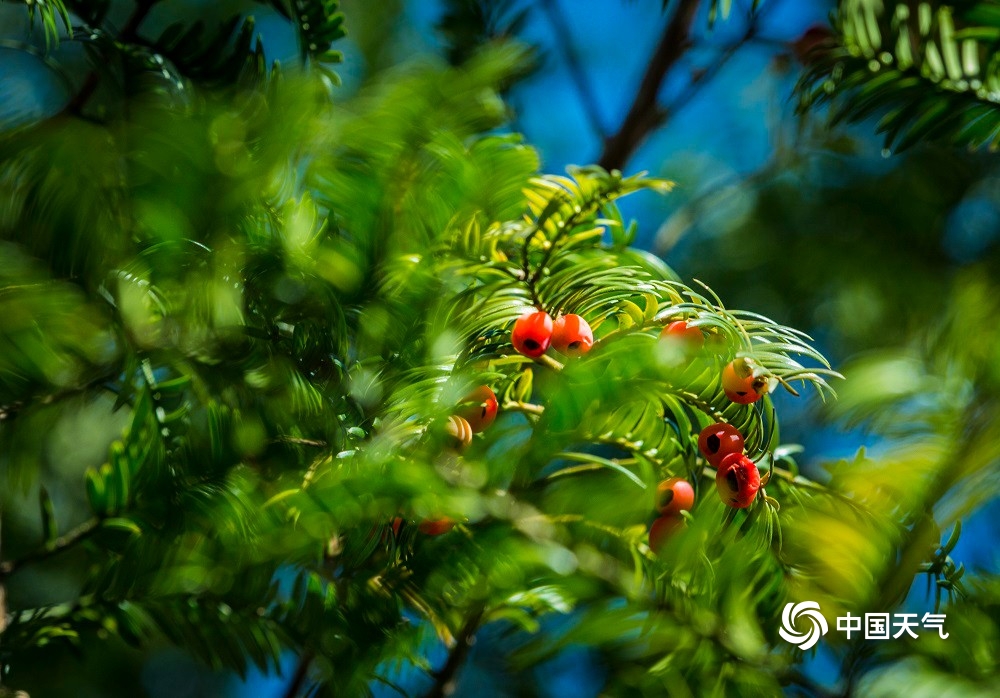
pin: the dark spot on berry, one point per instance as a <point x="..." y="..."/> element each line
<point x="731" y="480"/>
<point x="574" y="345"/>
<point x="738" y="392"/>
<point x="531" y="344"/>
<point x="714" y="442"/>
<point x="484" y="411"/>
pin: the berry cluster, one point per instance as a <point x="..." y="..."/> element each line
<point x="475" y="413"/>
<point x="737" y="479"/>
<point x="571" y="335"/>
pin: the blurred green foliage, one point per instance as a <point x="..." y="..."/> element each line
<point x="237" y="314"/>
<point x="926" y="68"/>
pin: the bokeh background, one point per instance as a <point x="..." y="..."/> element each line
<point x="817" y="227"/>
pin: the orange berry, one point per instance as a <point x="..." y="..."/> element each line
<point x="435" y="527"/>
<point x="480" y="408"/>
<point x="572" y="336"/>
<point x="739" y="385"/>
<point x="674" y="496"/>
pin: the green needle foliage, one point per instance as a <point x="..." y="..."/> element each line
<point x="236" y="317"/>
<point x="927" y="69"/>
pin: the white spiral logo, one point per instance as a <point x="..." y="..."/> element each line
<point x="790" y="616"/>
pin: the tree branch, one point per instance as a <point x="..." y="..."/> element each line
<point x="645" y="115"/>
<point x="444" y="680"/>
<point x="703" y="77"/>
<point x="77" y="535"/>
<point x="128" y="34"/>
<point x="299" y="677"/>
<point x="526" y="407"/>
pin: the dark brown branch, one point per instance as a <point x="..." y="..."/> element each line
<point x="645" y="114"/>
<point x="77" y="535"/>
<point x="299" y="677"/>
<point x="444" y="680"/>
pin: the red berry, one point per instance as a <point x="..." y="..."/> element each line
<point x="572" y="336"/>
<point x="719" y="440"/>
<point x="662" y="529"/>
<point x="739" y="384"/>
<point x="674" y="496"/>
<point x="435" y="527"/>
<point x="532" y="334"/>
<point x="737" y="480"/>
<point x="397" y="523"/>
<point x="479" y="408"/>
<point x="689" y="338"/>
<point x="459" y="431"/>
<point x="813" y="44"/>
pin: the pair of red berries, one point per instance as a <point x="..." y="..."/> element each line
<point x="673" y="496"/>
<point x="533" y="333"/>
<point x="737" y="479"/>
<point x="475" y="413"/>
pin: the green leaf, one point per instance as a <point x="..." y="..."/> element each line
<point x="593" y="462"/>
<point x="97" y="495"/>
<point x="123" y="525"/>
<point x="50" y="528"/>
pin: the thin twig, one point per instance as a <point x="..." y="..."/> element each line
<point x="703" y="77"/>
<point x="77" y="535"/>
<point x="444" y="680"/>
<point x="300" y="675"/>
<point x="298" y="441"/>
<point x="526" y="407"/>
<point x="548" y="362"/>
<point x="645" y="114"/>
